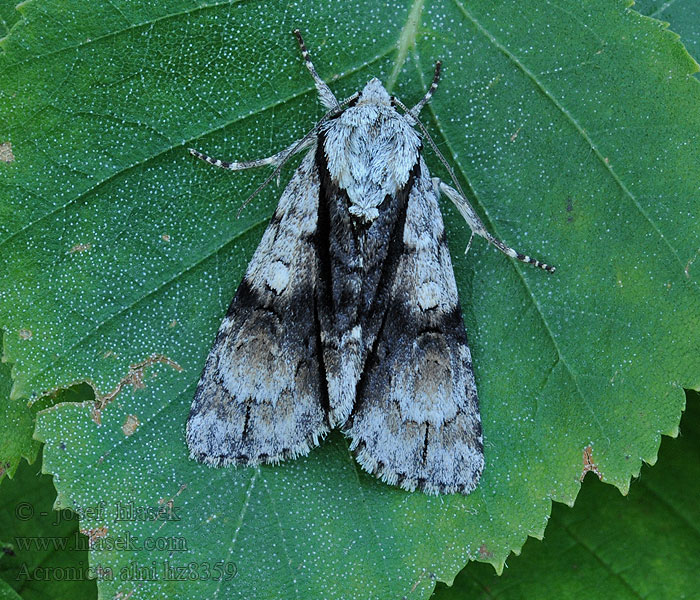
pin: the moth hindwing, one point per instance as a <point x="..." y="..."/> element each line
<point x="348" y="314"/>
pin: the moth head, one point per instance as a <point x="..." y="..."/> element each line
<point x="374" y="93"/>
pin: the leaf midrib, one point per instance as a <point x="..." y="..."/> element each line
<point x="665" y="6"/>
<point x="672" y="508"/>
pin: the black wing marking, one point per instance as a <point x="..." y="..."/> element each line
<point x="357" y="260"/>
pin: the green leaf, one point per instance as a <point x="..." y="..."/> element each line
<point x="8" y="17"/>
<point x="683" y="15"/>
<point x="16" y="427"/>
<point x="43" y="555"/>
<point x="574" y="126"/>
<point x="7" y="593"/>
<point x="17" y="420"/>
<point x="609" y="546"/>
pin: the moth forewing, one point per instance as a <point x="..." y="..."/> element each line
<point x="260" y="397"/>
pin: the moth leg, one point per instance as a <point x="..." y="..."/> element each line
<point x="325" y="94"/>
<point x="276" y="159"/>
<point x="415" y="111"/>
<point x="477" y="226"/>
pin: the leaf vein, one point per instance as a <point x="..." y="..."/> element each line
<point x="558" y="105"/>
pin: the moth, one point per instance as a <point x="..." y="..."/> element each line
<point x="348" y="314"/>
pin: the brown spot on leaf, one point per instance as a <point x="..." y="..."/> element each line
<point x="173" y="323"/>
<point x="25" y="334"/>
<point x="80" y="248"/>
<point x="94" y="534"/>
<point x="515" y="134"/>
<point x="484" y="552"/>
<point x="134" y="378"/>
<point x="165" y="237"/>
<point x="588" y="464"/>
<point x="4" y="468"/>
<point x="130" y="425"/>
<point x="6" y="154"/>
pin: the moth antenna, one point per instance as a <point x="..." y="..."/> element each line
<point x="327" y="98"/>
<point x="278" y="159"/>
<point x="433" y="145"/>
<point x="412" y="115"/>
<point x="429" y="94"/>
<point x="275" y="159"/>
<point x="423" y="129"/>
<point x="325" y="94"/>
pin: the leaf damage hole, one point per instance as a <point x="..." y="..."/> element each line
<point x="589" y="464"/>
<point x="25" y="334"/>
<point x="134" y="378"/>
<point x="6" y="154"/>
